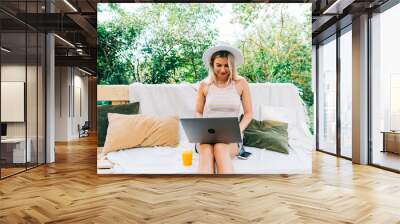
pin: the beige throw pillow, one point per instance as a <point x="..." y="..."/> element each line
<point x="139" y="130"/>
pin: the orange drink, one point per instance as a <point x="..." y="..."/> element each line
<point x="187" y="156"/>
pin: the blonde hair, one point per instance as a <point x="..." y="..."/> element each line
<point x="231" y="65"/>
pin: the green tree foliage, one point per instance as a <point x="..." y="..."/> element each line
<point x="277" y="47"/>
<point x="160" y="43"/>
<point x="114" y="61"/>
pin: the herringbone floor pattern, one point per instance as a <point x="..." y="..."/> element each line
<point x="70" y="191"/>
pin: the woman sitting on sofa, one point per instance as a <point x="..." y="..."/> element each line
<point x="222" y="94"/>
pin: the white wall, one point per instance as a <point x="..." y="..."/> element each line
<point x="70" y="83"/>
<point x="33" y="127"/>
<point x="16" y="73"/>
<point x="12" y="73"/>
<point x="62" y="81"/>
<point x="79" y="110"/>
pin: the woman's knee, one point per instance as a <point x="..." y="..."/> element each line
<point x="221" y="149"/>
<point x="206" y="150"/>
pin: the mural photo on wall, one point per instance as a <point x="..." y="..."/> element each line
<point x="220" y="88"/>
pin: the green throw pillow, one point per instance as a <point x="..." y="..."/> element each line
<point x="102" y="119"/>
<point x="267" y="134"/>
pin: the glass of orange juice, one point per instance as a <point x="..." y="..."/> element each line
<point x="187" y="156"/>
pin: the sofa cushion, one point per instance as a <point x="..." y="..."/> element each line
<point x="267" y="134"/>
<point x="130" y="131"/>
<point x="102" y="120"/>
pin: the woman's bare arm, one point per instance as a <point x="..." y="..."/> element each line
<point x="247" y="107"/>
<point x="200" y="100"/>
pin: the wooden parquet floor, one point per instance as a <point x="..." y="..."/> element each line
<point x="70" y="191"/>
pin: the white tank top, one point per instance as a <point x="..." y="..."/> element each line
<point x="222" y="102"/>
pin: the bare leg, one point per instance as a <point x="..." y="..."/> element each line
<point x="206" y="159"/>
<point x="223" y="154"/>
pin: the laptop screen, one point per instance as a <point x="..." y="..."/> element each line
<point x="3" y="129"/>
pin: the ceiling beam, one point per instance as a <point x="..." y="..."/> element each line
<point x="86" y="26"/>
<point x="337" y="7"/>
<point x="320" y="23"/>
<point x="82" y="61"/>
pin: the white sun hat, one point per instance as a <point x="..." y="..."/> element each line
<point x="222" y="46"/>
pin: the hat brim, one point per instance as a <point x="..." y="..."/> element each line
<point x="234" y="51"/>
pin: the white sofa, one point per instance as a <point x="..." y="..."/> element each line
<point x="270" y="101"/>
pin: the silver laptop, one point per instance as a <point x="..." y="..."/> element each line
<point x="212" y="130"/>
